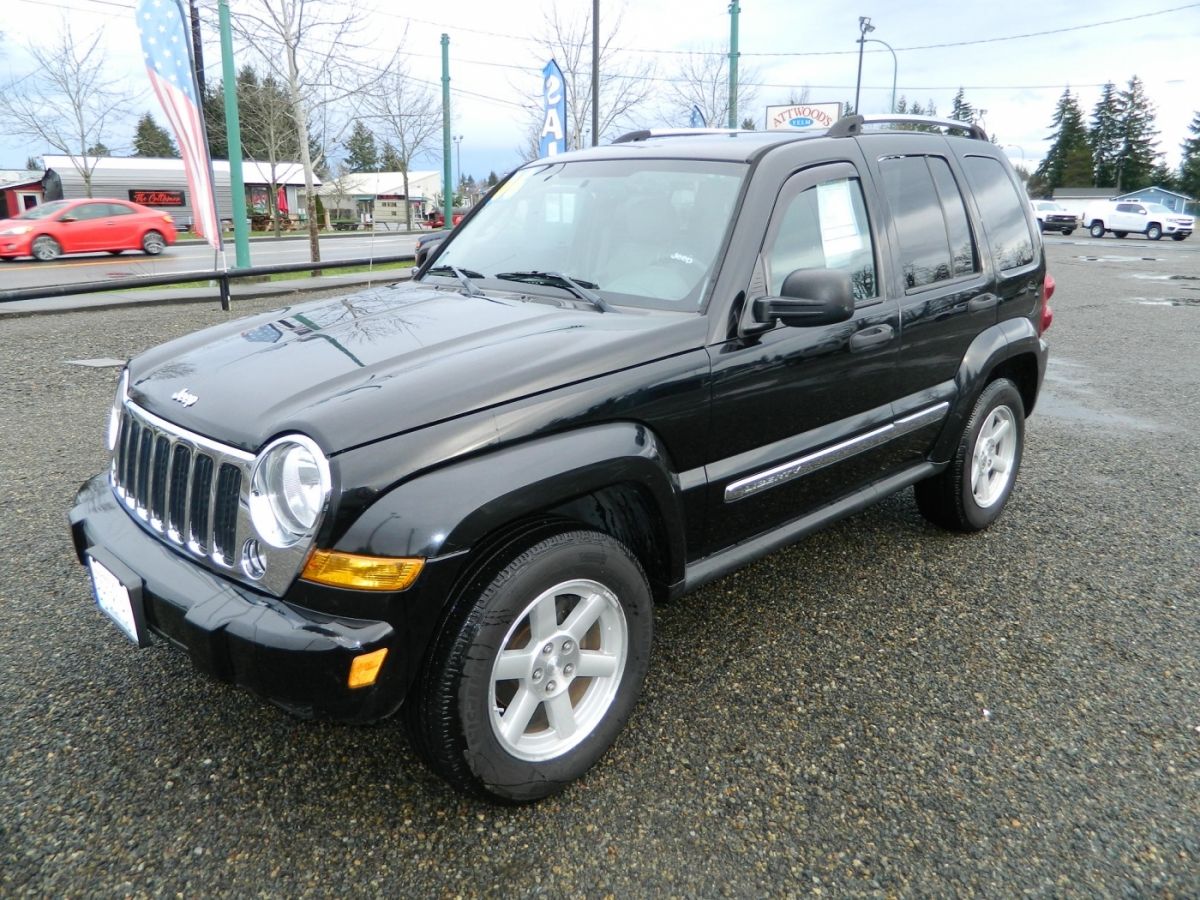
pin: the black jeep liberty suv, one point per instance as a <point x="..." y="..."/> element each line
<point x="630" y="371"/>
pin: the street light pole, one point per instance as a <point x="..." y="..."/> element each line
<point x="894" y="67"/>
<point x="864" y="26"/>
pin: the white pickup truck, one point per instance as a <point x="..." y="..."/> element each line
<point x="1124" y="217"/>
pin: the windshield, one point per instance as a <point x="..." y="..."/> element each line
<point x="640" y="233"/>
<point x="1052" y="207"/>
<point x="43" y="211"/>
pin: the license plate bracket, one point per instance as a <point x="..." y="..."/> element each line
<point x="118" y="593"/>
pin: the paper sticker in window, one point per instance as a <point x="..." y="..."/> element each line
<point x="841" y="235"/>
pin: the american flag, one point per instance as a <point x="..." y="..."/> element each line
<point x="168" y="58"/>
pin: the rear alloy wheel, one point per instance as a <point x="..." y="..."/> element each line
<point x="1097" y="229"/>
<point x="970" y="493"/>
<point x="45" y="248"/>
<point x="537" y="670"/>
<point x="153" y="243"/>
<point x="1154" y="232"/>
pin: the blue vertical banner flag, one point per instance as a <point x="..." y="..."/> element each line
<point x="697" y="119"/>
<point x="554" y="116"/>
<point x="168" y="56"/>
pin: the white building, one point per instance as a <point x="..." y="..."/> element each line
<point x="378" y="197"/>
<point x="162" y="184"/>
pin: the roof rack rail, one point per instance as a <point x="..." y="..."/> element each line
<point x="850" y="126"/>
<point x="644" y="133"/>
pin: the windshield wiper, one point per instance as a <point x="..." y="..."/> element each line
<point x="581" y="289"/>
<point x="463" y="275"/>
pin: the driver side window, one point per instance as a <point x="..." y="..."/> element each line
<point x="823" y="227"/>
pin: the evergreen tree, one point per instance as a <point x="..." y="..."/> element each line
<point x="1189" y="166"/>
<point x="151" y="139"/>
<point x="389" y="159"/>
<point x="99" y="149"/>
<point x="961" y="110"/>
<point x="361" y="153"/>
<point x="1139" y="139"/>
<point x="1105" y="137"/>
<point x="33" y="163"/>
<point x="1069" y="162"/>
<point x="213" y="107"/>
<point x="748" y="123"/>
<point x="493" y="179"/>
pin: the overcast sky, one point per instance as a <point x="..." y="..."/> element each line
<point x="1014" y="60"/>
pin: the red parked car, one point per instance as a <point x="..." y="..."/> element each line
<point x="82" y="226"/>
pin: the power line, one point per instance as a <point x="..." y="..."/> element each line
<point x="659" y="51"/>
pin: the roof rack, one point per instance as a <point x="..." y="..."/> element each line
<point x="851" y="126"/>
<point x="645" y="133"/>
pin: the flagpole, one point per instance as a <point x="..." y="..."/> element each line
<point x="233" y="131"/>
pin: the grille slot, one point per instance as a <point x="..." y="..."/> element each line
<point x="187" y="488"/>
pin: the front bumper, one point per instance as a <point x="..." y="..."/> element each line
<point x="294" y="657"/>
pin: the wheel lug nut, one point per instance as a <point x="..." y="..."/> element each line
<point x="569" y="670"/>
<point x="567" y="646"/>
<point x="537" y="674"/>
<point x="550" y="686"/>
<point x="548" y="649"/>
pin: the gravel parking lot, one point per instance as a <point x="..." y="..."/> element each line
<point x="883" y="709"/>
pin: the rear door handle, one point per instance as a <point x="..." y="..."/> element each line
<point x="869" y="338"/>
<point x="982" y="302"/>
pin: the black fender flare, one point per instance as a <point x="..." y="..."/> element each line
<point x="449" y="510"/>
<point x="991" y="350"/>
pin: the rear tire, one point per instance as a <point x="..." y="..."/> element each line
<point x="536" y="670"/>
<point x="1154" y="232"/>
<point x="971" y="492"/>
<point x="1097" y="230"/>
<point x="45" y="248"/>
<point x="1120" y="234"/>
<point x="153" y="243"/>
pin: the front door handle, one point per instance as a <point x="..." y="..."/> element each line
<point x="982" y="302"/>
<point x="869" y="338"/>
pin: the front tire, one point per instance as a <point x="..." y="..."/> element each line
<point x="1178" y="237"/>
<point x="536" y="670"/>
<point x="1154" y="232"/>
<point x="1097" y="230"/>
<point x="1120" y="234"/>
<point x="45" y="248"/>
<point x="1067" y="232"/>
<point x="971" y="492"/>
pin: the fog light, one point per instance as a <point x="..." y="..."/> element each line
<point x="364" y="573"/>
<point x="252" y="562"/>
<point x="365" y="669"/>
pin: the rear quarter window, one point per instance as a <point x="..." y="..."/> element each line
<point x="1003" y="211"/>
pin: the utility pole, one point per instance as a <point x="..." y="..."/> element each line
<point x="595" y="73"/>
<point x="734" y="9"/>
<point x="233" y="129"/>
<point x="447" y="186"/>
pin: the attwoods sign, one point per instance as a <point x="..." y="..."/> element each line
<point x="158" y="198"/>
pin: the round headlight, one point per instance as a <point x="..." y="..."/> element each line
<point x="114" y="414"/>
<point x="288" y="490"/>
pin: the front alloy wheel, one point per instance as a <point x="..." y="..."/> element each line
<point x="1097" y="230"/>
<point x="1154" y="232"/>
<point x="153" y="243"/>
<point x="536" y="669"/>
<point x="45" y="248"/>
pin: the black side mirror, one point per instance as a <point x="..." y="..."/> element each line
<point x="68" y="219"/>
<point x="807" y="298"/>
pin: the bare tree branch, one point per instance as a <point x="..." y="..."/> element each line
<point x="68" y="102"/>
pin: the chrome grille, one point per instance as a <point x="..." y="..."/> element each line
<point x="185" y="487"/>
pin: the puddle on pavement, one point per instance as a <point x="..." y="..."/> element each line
<point x="1120" y="258"/>
<point x="1068" y="394"/>
<point x="1193" y="302"/>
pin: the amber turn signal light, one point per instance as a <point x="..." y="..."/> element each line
<point x="362" y="573"/>
<point x="365" y="669"/>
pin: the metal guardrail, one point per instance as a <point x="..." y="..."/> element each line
<point x="221" y="278"/>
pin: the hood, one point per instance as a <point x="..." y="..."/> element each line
<point x="354" y="369"/>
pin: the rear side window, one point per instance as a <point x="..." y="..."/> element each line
<point x="1003" y="212"/>
<point x="935" y="239"/>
